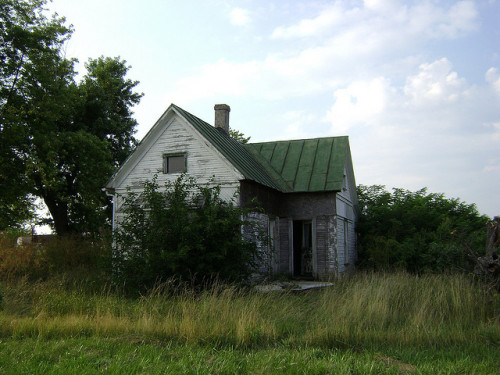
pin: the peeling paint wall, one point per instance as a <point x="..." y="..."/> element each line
<point x="258" y="232"/>
<point x="326" y="230"/>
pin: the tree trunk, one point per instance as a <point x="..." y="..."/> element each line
<point x="489" y="265"/>
<point x="59" y="212"/>
<point x="493" y="235"/>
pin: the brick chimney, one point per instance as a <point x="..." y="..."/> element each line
<point x="222" y="117"/>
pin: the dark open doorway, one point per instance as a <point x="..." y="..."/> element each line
<point x="302" y="248"/>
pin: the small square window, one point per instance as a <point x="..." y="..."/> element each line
<point x="174" y="163"/>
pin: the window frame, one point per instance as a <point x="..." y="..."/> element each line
<point x="174" y="155"/>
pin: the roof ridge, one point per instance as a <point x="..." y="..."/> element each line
<point x="299" y="139"/>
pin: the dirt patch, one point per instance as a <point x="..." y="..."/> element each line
<point x="404" y="368"/>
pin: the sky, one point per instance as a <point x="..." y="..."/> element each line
<point x="414" y="84"/>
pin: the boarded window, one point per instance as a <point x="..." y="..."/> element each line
<point x="174" y="163"/>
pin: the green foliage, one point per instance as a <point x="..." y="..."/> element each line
<point x="26" y="37"/>
<point x="60" y="139"/>
<point x="186" y="231"/>
<point x="417" y="231"/>
<point x="239" y="136"/>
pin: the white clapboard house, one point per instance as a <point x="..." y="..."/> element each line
<point x="306" y="187"/>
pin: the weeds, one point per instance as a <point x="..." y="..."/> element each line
<point x="81" y="259"/>
<point x="368" y="308"/>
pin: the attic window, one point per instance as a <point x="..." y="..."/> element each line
<point x="174" y="163"/>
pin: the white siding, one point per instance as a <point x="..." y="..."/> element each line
<point x="346" y="255"/>
<point x="346" y="224"/>
<point x="204" y="162"/>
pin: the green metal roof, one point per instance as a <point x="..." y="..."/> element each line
<point x="307" y="165"/>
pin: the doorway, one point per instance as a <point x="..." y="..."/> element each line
<point x="302" y="248"/>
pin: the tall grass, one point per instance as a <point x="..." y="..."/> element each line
<point x="402" y="308"/>
<point x="367" y="308"/>
<point x="80" y="258"/>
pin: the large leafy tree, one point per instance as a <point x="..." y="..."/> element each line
<point x="61" y="138"/>
<point x="25" y="36"/>
<point x="417" y="231"/>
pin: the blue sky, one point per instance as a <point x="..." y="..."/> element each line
<point x="415" y="84"/>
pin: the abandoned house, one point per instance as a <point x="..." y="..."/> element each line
<point x="305" y="187"/>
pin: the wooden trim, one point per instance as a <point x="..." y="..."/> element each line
<point x="165" y="157"/>
<point x="314" y="248"/>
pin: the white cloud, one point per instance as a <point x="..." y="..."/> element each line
<point x="221" y="78"/>
<point x="424" y="19"/>
<point x="460" y="18"/>
<point x="434" y="84"/>
<point x="240" y="17"/>
<point x="312" y="26"/>
<point x="295" y="121"/>
<point x="493" y="77"/>
<point x="358" y="104"/>
<point x="380" y="5"/>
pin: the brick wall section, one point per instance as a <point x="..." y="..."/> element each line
<point x="306" y="206"/>
<point x="300" y="206"/>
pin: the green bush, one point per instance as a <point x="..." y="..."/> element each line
<point x="185" y="231"/>
<point x="417" y="231"/>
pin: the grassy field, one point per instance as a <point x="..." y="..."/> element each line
<point x="368" y="324"/>
<point x="96" y="355"/>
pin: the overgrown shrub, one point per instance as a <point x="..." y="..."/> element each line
<point x="185" y="231"/>
<point x="417" y="231"/>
